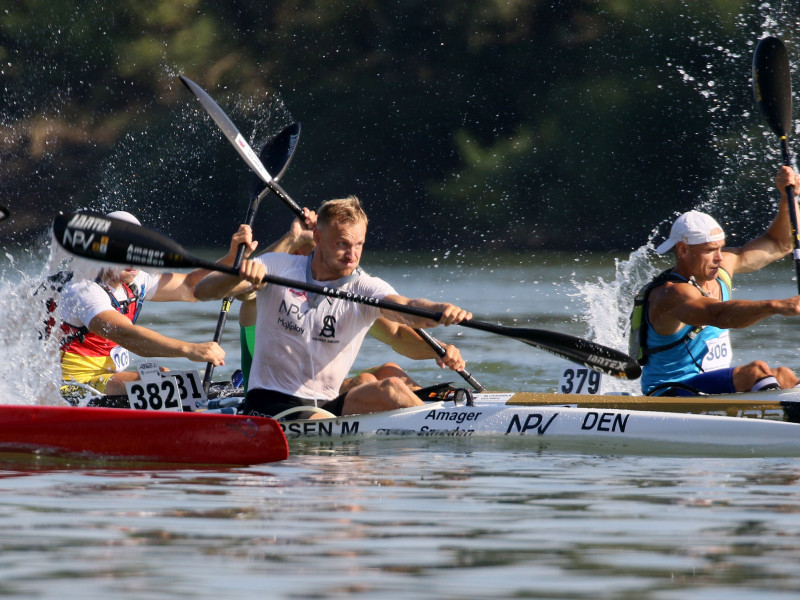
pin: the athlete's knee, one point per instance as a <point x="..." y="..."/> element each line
<point x="387" y="370"/>
<point x="356" y="381"/>
<point x="395" y="391"/>
<point x="758" y="368"/>
<point x="390" y="385"/>
<point x="786" y="377"/>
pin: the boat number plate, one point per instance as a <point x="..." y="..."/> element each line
<point x="169" y="391"/>
<point x="579" y="380"/>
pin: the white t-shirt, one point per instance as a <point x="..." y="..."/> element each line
<point x="82" y="301"/>
<point x="306" y="350"/>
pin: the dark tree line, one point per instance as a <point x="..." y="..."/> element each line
<point x="557" y="124"/>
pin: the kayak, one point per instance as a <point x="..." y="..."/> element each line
<point x="566" y="424"/>
<point x="750" y="424"/>
<point x="141" y="435"/>
<point x="779" y="405"/>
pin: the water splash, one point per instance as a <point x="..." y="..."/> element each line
<point x="31" y="369"/>
<point x="607" y="305"/>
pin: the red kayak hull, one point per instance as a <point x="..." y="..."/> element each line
<point x="140" y="435"/>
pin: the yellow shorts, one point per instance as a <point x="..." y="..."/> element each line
<point x="90" y="370"/>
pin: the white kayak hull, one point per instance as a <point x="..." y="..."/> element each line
<point x="594" y="429"/>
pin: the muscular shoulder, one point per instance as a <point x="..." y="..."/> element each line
<point x="669" y="293"/>
<point x="666" y="306"/>
<point x="278" y="261"/>
<point x="373" y="286"/>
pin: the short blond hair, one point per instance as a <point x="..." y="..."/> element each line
<point x="341" y="210"/>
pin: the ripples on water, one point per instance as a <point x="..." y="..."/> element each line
<point x="435" y="522"/>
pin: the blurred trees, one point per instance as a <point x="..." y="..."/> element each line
<point x="481" y="124"/>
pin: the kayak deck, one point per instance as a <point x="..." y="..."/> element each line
<point x="594" y="429"/>
<point x="139" y="435"/>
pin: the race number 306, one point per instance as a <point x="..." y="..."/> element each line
<point x="579" y="380"/>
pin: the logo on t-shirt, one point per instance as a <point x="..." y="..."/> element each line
<point x="328" y="327"/>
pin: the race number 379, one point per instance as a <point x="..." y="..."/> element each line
<point x="579" y="380"/>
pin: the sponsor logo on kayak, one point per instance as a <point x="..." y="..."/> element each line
<point x="534" y="423"/>
<point x="426" y="431"/>
<point x="458" y="416"/>
<point x="607" y="421"/>
<point x="319" y="428"/>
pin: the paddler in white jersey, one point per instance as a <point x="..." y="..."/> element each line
<point x="688" y="314"/>
<point x="299" y="240"/>
<point x="99" y="321"/>
<point x="305" y="344"/>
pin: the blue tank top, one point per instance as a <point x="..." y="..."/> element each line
<point x="710" y="349"/>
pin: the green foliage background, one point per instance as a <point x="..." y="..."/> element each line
<point x="476" y="124"/>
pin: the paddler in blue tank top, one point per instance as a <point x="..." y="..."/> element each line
<point x="688" y="315"/>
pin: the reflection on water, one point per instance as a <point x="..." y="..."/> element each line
<point x="436" y="524"/>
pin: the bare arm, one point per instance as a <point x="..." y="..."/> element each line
<point x="775" y="243"/>
<point x="145" y="342"/>
<point x="451" y="314"/>
<point x="676" y="304"/>
<point x="221" y="285"/>
<point x="299" y="239"/>
<point x="404" y="340"/>
<point x="174" y="287"/>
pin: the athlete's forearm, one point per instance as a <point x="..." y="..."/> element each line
<point x="736" y="314"/>
<point x="218" y="285"/>
<point x="147" y="342"/>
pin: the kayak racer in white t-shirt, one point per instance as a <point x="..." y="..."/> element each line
<point x="305" y="344"/>
<point x="99" y="321"/>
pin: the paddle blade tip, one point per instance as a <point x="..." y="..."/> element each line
<point x="105" y="239"/>
<point x="633" y="370"/>
<point x="772" y="84"/>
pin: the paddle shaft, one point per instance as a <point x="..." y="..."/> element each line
<point x="109" y="240"/>
<point x="226" y="302"/>
<point x="440" y="351"/>
<point x="791" y="203"/>
<point x="278" y="153"/>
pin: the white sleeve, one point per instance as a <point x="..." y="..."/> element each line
<point x="149" y="281"/>
<point x="83" y="301"/>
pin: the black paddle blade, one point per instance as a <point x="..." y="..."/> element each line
<point x="97" y="237"/>
<point x="578" y="350"/>
<point x="772" y="84"/>
<point x="4" y="214"/>
<point x="276" y="155"/>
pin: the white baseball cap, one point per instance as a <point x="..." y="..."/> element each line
<point x="124" y="216"/>
<point x="692" y="227"/>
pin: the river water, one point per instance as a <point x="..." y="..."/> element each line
<point x="428" y="520"/>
